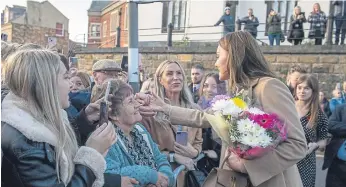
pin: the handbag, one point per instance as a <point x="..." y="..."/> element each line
<point x="219" y="177"/>
<point x="194" y="178"/>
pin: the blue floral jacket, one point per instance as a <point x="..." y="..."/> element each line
<point x="119" y="162"/>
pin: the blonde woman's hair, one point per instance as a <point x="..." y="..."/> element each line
<point x="294" y="11"/>
<point x="245" y="59"/>
<point x="32" y="75"/>
<point x="7" y="49"/>
<point x="148" y="85"/>
<point x="186" y="100"/>
<point x="185" y="94"/>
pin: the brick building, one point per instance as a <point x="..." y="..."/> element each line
<point x="104" y="19"/>
<point x="40" y="23"/>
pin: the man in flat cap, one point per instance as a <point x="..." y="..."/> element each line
<point x="105" y="69"/>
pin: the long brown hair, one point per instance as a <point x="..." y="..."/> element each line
<point x="217" y="80"/>
<point x="245" y="59"/>
<point x="313" y="103"/>
<point x="319" y="8"/>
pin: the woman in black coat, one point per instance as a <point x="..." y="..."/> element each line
<point x="296" y="30"/>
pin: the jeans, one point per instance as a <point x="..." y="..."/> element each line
<point x="340" y="28"/>
<point x="273" y="37"/>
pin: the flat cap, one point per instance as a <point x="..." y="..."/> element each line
<point x="106" y="65"/>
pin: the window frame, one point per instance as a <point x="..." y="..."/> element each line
<point x="62" y="30"/>
<point x="91" y="30"/>
<point x="104" y="29"/>
<point x="168" y="13"/>
<point x="126" y="24"/>
<point x="116" y="12"/>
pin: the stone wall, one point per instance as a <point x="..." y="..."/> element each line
<point x="327" y="63"/>
<point x="39" y="35"/>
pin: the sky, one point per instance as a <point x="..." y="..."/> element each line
<point x="74" y="10"/>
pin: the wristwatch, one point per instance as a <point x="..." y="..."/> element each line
<point x="171" y="157"/>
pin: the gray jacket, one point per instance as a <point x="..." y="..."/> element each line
<point x="274" y="24"/>
<point x="250" y="25"/>
<point x="227" y="21"/>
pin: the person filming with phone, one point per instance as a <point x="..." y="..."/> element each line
<point x="39" y="144"/>
<point x="296" y="32"/>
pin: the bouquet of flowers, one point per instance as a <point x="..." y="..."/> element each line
<point x="248" y="131"/>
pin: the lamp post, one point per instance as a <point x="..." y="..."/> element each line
<point x="133" y="72"/>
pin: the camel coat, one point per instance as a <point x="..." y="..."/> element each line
<point x="164" y="136"/>
<point x="278" y="167"/>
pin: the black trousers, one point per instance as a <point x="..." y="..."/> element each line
<point x="336" y="176"/>
<point x="340" y="29"/>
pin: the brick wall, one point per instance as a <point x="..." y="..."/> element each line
<point x="38" y="35"/>
<point x="327" y="63"/>
<point x="110" y="39"/>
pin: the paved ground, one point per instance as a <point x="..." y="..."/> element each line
<point x="321" y="175"/>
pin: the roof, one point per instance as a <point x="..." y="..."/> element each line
<point x="97" y="5"/>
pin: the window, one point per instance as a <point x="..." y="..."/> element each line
<point x="174" y="12"/>
<point x="114" y="23"/>
<point x="104" y="29"/>
<point x="125" y="18"/>
<point x="59" y="29"/>
<point x="95" y="30"/>
<point x="285" y="8"/>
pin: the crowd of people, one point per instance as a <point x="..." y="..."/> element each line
<point x="295" y="34"/>
<point x="52" y="135"/>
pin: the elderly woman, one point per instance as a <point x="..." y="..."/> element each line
<point x="134" y="154"/>
<point x="170" y="85"/>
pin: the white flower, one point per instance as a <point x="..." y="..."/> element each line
<point x="220" y="105"/>
<point x="255" y="111"/>
<point x="252" y="134"/>
<point x="231" y="109"/>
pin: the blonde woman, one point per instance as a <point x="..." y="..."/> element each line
<point x="241" y="62"/>
<point x="38" y="143"/>
<point x="6" y="50"/>
<point x="170" y="85"/>
<point x="296" y="32"/>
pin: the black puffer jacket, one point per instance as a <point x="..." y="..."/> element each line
<point x="27" y="161"/>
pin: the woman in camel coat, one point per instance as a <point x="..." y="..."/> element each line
<point x="243" y="65"/>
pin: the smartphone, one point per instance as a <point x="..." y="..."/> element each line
<point x="181" y="137"/>
<point x="104" y="107"/>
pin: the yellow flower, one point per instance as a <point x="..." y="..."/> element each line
<point x="239" y="103"/>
